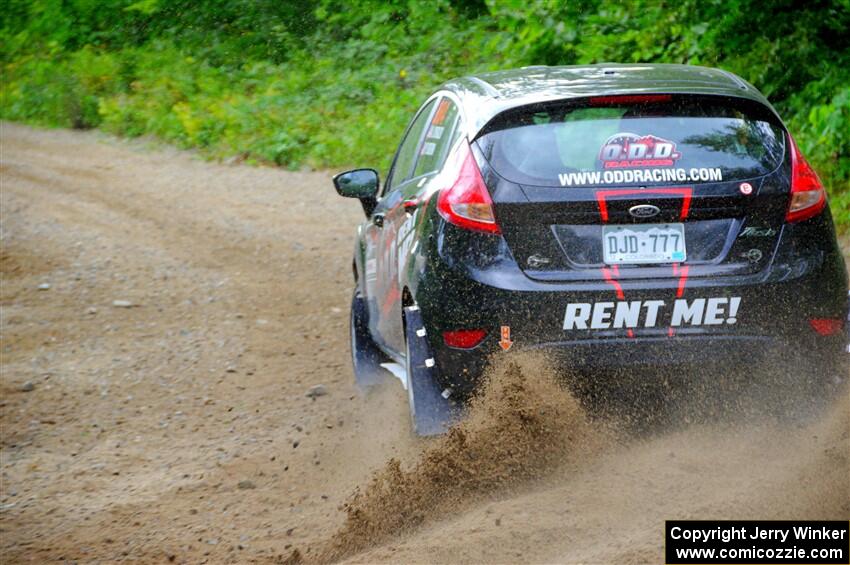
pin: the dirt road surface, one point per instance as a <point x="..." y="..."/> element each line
<point x="162" y="321"/>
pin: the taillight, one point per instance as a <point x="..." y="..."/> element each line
<point x="466" y="203"/>
<point x="464" y="339"/>
<point x="808" y="198"/>
<point x="827" y="326"/>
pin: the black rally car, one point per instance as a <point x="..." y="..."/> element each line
<point x="615" y="215"/>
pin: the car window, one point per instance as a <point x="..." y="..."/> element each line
<point x="625" y="140"/>
<point x="438" y="138"/>
<point x="403" y="167"/>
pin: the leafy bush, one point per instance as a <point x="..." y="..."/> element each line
<point x="332" y="83"/>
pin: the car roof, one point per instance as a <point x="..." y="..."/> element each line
<point x="485" y="95"/>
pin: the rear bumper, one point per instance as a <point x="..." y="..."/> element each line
<point x="771" y="325"/>
<point x="702" y="351"/>
<point x="666" y="358"/>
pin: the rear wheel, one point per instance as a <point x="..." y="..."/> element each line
<point x="366" y="356"/>
<point x="430" y="412"/>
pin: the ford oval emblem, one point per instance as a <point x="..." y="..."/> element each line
<point x="644" y="211"/>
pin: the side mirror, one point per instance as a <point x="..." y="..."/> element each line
<point x="361" y="184"/>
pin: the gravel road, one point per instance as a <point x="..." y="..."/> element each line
<point x="164" y="317"/>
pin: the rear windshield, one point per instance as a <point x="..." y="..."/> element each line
<point x="628" y="140"/>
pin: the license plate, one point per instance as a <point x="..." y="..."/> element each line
<point x="645" y="243"/>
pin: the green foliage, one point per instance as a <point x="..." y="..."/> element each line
<point x="333" y="82"/>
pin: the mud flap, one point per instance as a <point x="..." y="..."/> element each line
<point x="430" y="412"/>
<point x="365" y="355"/>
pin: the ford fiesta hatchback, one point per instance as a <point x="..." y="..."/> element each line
<point x="643" y="215"/>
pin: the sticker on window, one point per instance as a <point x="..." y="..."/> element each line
<point x="440" y="114"/>
<point x="629" y="150"/>
<point x="428" y="148"/>
<point x="435" y="132"/>
<point x="633" y="176"/>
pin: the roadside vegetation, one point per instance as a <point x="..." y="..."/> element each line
<point x="331" y="83"/>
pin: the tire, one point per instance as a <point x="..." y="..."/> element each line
<point x="366" y="356"/>
<point x="430" y="413"/>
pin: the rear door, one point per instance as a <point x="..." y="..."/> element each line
<point x="433" y="131"/>
<point x="383" y="229"/>
<point x="647" y="185"/>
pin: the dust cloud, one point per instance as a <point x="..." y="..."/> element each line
<point x="520" y="427"/>
<point x="594" y="489"/>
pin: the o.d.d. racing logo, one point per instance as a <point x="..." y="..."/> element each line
<point x="632" y="150"/>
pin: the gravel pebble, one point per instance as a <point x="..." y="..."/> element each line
<point x="316" y="391"/>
